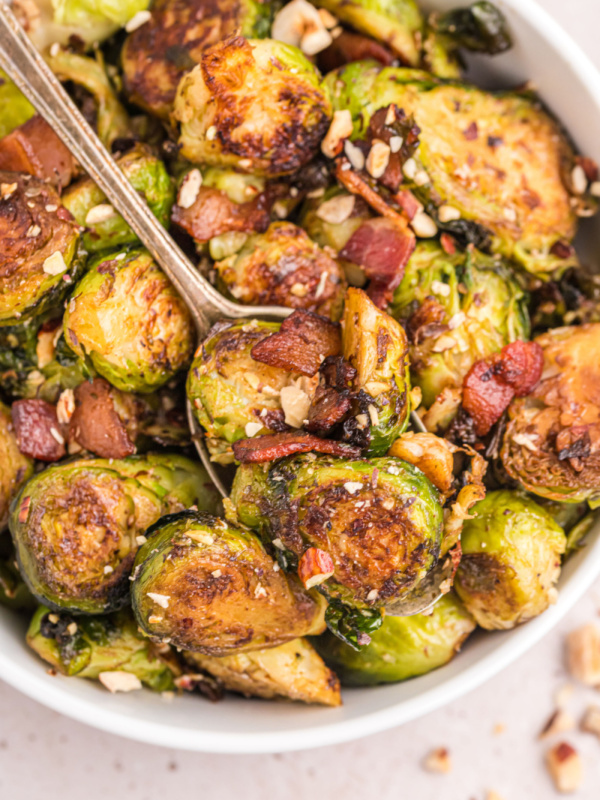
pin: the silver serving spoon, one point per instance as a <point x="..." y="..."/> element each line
<point x="27" y="68"/>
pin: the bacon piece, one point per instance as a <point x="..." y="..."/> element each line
<point x="382" y="249"/>
<point x="328" y="407"/>
<point x="278" y="445"/>
<point x="34" y="148"/>
<point x="408" y="203"/>
<point x="338" y="373"/>
<point x="448" y="244"/>
<point x="315" y="567"/>
<point x="302" y="343"/>
<point x="491" y="383"/>
<point x="356" y="185"/>
<point x="213" y="213"/>
<point x="39" y="434"/>
<point x="589" y="166"/>
<point x="95" y="424"/>
<point x="348" y="47"/>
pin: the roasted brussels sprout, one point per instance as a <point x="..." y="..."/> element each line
<point x="106" y="229"/>
<point x="403" y="647"/>
<point x="40" y="249"/>
<point x="125" y="316"/>
<point x="76" y="525"/>
<point x="284" y="267"/>
<point x="16" y="108"/>
<point x="269" y="121"/>
<point x="376" y="346"/>
<point x="552" y="441"/>
<point x="377" y="524"/>
<point x="458" y="309"/>
<point x="14" y="593"/>
<point x="15" y="468"/>
<point x="92" y="13"/>
<point x="511" y="560"/>
<point x="101" y="648"/>
<point x="207" y="586"/>
<point x="397" y="23"/>
<point x="156" y="55"/>
<point x="293" y="670"/>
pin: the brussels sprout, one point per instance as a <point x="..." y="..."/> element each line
<point x="111" y="120"/>
<point x="230" y="392"/>
<point x="376" y="346"/>
<point x="90" y="13"/>
<point x="148" y="176"/>
<point x="397" y="23"/>
<point x="125" y="316"/>
<point x="40" y="249"/>
<point x="269" y="121"/>
<point x="207" y="586"/>
<point x="156" y="55"/>
<point x="552" y="441"/>
<point x="403" y="647"/>
<point x="76" y="526"/>
<point x="14" y="593"/>
<point x="98" y="646"/>
<point x="379" y="522"/>
<point x="16" y="108"/>
<point x="284" y="267"/>
<point x="293" y="670"/>
<point x="511" y="560"/>
<point x="498" y="160"/>
<point x="15" y="468"/>
<point x="458" y="308"/>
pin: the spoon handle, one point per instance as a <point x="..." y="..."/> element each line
<point x="26" y="67"/>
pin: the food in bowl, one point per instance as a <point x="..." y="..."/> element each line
<point x="432" y="399"/>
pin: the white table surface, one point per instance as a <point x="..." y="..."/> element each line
<point x="45" y="755"/>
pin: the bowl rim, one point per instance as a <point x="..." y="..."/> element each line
<point x="58" y="697"/>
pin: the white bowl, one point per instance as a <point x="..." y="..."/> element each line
<point x="570" y="85"/>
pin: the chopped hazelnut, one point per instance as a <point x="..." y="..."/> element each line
<point x="591" y="721"/>
<point x="559" y="722"/>
<point x="583" y="654"/>
<point x="565" y="768"/>
<point x="438" y="761"/>
<point x="336" y="210"/>
<point x="341" y="128"/>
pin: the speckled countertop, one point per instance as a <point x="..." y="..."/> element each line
<point x="491" y="734"/>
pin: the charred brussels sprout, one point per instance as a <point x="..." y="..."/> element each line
<point x="125" y="316"/>
<point x="99" y="646"/>
<point x="397" y="23"/>
<point x="376" y="346"/>
<point x="15" y="468"/>
<point x="458" y="309"/>
<point x="76" y="526"/>
<point x="16" y="108"/>
<point x="207" y="586"/>
<point x="510" y="562"/>
<point x="157" y="55"/>
<point x="284" y="267"/>
<point x="40" y="249"/>
<point x="552" y="442"/>
<point x="404" y="647"/>
<point x="88" y="204"/>
<point x="257" y="106"/>
<point x="378" y="523"/>
<point x="293" y="670"/>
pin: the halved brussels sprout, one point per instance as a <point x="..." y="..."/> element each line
<point x="284" y="267"/>
<point x="15" y="468"/>
<point x="378" y="522"/>
<point x="40" y="249"/>
<point x="106" y="228"/>
<point x="76" y="525"/>
<point x="97" y="646"/>
<point x="157" y="54"/>
<point x="511" y="560"/>
<point x="498" y="161"/>
<point x="458" y="309"/>
<point x="16" y="108"/>
<point x="403" y="648"/>
<point x="207" y="586"/>
<point x="376" y="346"/>
<point x="552" y="441"/>
<point x="293" y="670"/>
<point x="256" y="105"/>
<point x="125" y="316"/>
<point x="397" y="23"/>
<point x="91" y="13"/>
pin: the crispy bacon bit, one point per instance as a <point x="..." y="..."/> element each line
<point x="355" y="184"/>
<point x="589" y="166"/>
<point x="95" y="424"/>
<point x="348" y="47"/>
<point x="328" y="407"/>
<point x="426" y="321"/>
<point x="273" y="446"/>
<point x="562" y="249"/>
<point x="315" y="567"/>
<point x="38" y="431"/>
<point x="408" y="203"/>
<point x="34" y="148"/>
<point x="382" y="249"/>
<point x="302" y="343"/>
<point x="338" y="373"/>
<point x="491" y="383"/>
<point x="448" y="244"/>
<point x="471" y="133"/>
